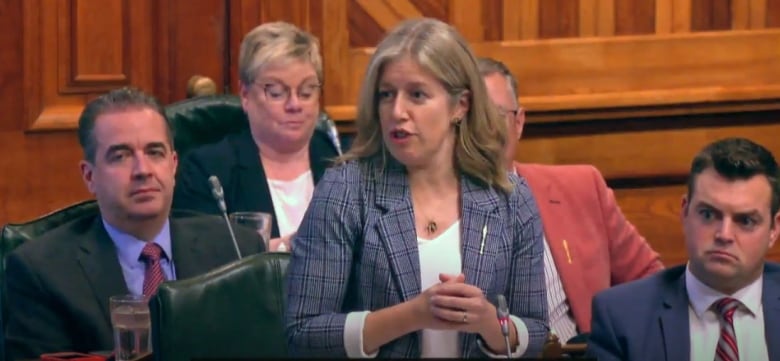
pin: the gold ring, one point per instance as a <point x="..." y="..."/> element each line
<point x="465" y="317"/>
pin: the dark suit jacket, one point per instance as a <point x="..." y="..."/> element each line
<point x="235" y="160"/>
<point x="648" y="319"/>
<point x="59" y="285"/>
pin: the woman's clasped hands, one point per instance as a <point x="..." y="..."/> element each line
<point x="455" y="305"/>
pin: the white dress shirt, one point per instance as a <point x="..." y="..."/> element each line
<point x="705" y="328"/>
<point x="558" y="309"/>
<point x="438" y="255"/>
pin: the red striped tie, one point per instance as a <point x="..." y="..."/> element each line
<point x="154" y="276"/>
<point x="727" y="344"/>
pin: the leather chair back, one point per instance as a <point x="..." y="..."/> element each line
<point x="14" y="234"/>
<point x="204" y="120"/>
<point x="208" y="119"/>
<point x="235" y="311"/>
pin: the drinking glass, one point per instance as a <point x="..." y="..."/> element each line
<point x="260" y="222"/>
<point x="132" y="326"/>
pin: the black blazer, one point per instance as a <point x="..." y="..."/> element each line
<point x="236" y="162"/>
<point x="58" y="285"/>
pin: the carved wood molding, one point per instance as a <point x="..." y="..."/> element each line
<point x="632" y="76"/>
<point x="75" y="49"/>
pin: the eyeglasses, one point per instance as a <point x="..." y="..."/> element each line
<point x="281" y="93"/>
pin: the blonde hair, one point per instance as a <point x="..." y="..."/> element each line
<point x="442" y="51"/>
<point x="276" y="41"/>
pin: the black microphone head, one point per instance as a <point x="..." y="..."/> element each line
<point x="502" y="309"/>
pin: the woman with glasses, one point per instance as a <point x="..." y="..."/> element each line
<point x="273" y="166"/>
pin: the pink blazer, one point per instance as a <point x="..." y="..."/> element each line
<point x="593" y="245"/>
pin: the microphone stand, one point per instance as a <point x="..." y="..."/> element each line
<point x="232" y="235"/>
<point x="219" y="196"/>
<point x="503" y="320"/>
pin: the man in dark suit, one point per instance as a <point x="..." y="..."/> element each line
<point x="58" y="286"/>
<point x="725" y="303"/>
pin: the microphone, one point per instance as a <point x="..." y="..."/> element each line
<point x="327" y="125"/>
<point x="219" y="196"/>
<point x="502" y="312"/>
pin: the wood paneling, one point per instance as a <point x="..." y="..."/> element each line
<point x="710" y="15"/>
<point x="634" y="17"/>
<point x="493" y="18"/>
<point x="521" y="19"/>
<point x="642" y="148"/>
<point x="672" y="16"/>
<point x="369" y="20"/>
<point x="57" y="54"/>
<point x="655" y="212"/>
<point x="11" y="82"/>
<point x="370" y="32"/>
<point x="41" y="176"/>
<point x="625" y="72"/>
<point x="558" y="19"/>
<point x="59" y="74"/>
<point x="468" y="19"/>
<point x="95" y="44"/>
<point x="772" y="13"/>
<point x="192" y="40"/>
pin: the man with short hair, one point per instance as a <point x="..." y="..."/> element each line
<point x="589" y="244"/>
<point x="58" y="286"/>
<point x="724" y="304"/>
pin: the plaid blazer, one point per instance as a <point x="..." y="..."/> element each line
<point x="356" y="250"/>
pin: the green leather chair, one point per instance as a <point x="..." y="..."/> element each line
<point x="208" y="119"/>
<point x="14" y="234"/>
<point x="204" y="120"/>
<point x="233" y="312"/>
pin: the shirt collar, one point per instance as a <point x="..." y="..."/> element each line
<point x="702" y="296"/>
<point x="129" y="248"/>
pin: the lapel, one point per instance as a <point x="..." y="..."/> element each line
<point x="251" y="192"/>
<point x="396" y="228"/>
<point x="320" y="155"/>
<point x="482" y="239"/>
<point x="100" y="265"/>
<point x="482" y="232"/>
<point x="674" y="320"/>
<point x="558" y="236"/>
<point x="771" y="304"/>
<point x="190" y="254"/>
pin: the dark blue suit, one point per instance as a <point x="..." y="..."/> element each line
<point x="648" y="319"/>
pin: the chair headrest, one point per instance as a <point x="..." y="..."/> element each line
<point x="205" y="120"/>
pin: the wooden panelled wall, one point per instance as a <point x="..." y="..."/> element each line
<point x="634" y="87"/>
